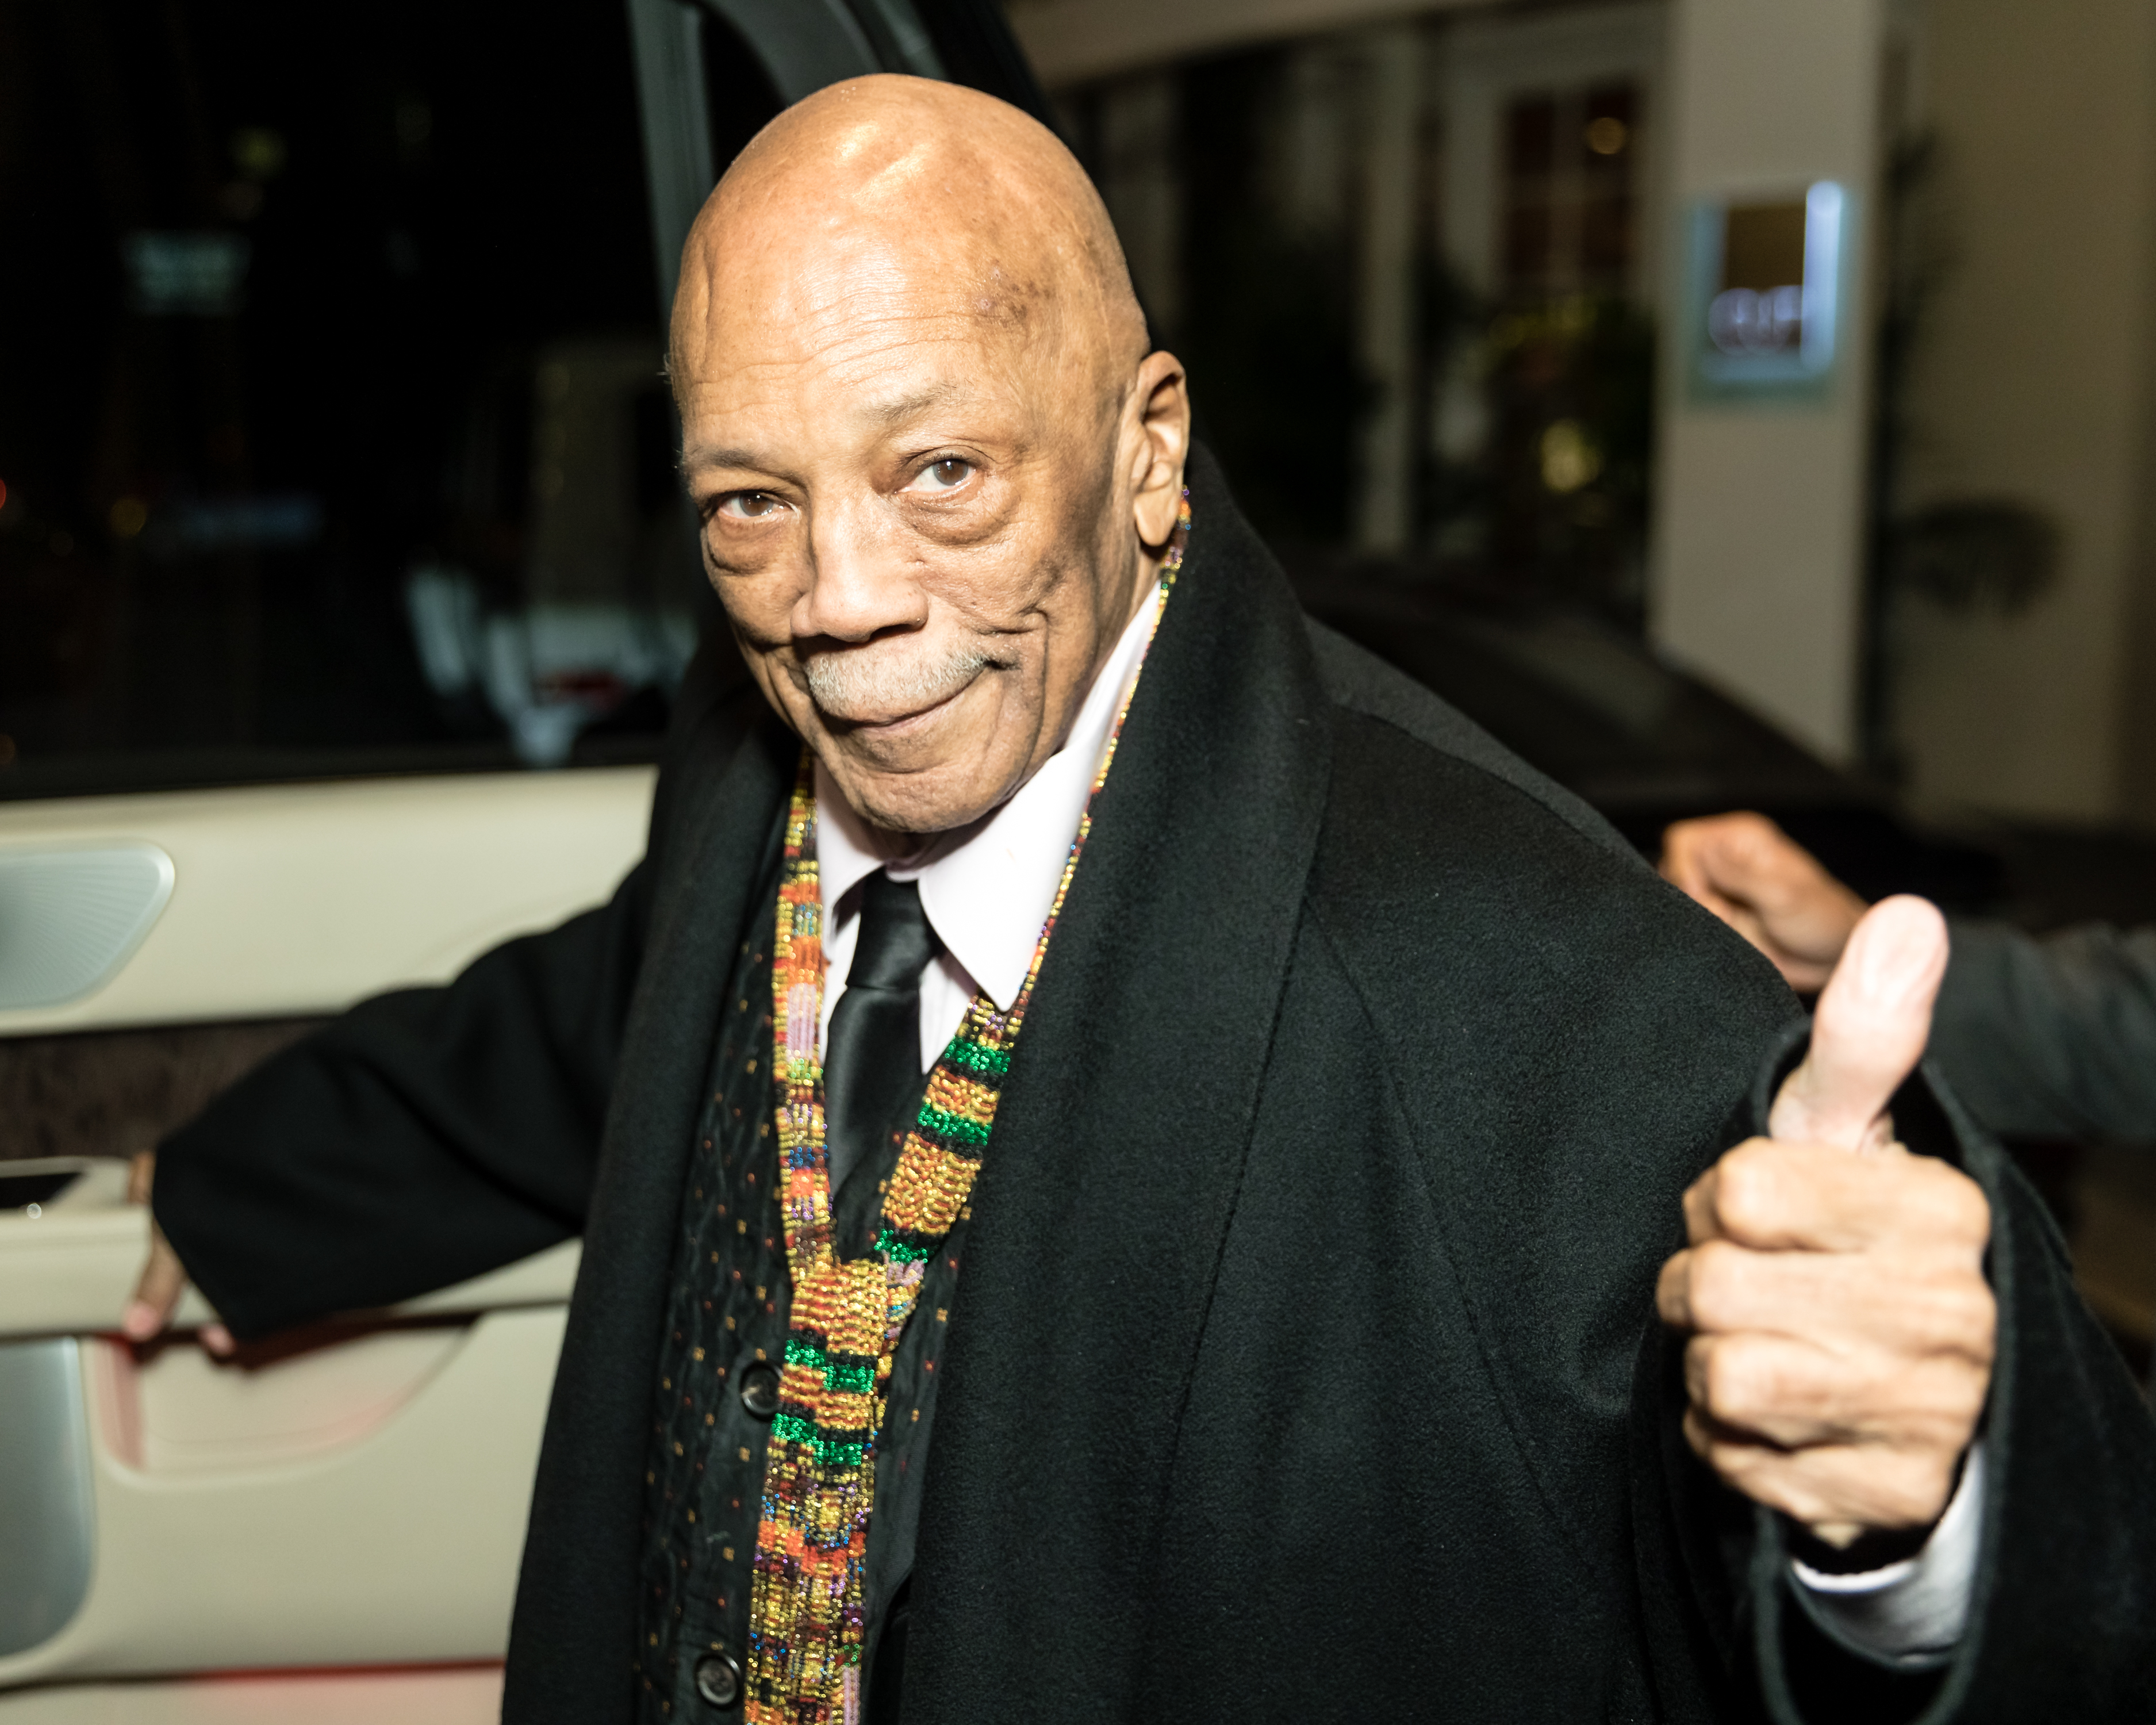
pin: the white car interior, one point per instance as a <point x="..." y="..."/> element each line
<point x="148" y="1506"/>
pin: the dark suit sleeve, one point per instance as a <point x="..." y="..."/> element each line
<point x="2062" y="1617"/>
<point x="424" y="1137"/>
<point x="433" y="1134"/>
<point x="2053" y="1037"/>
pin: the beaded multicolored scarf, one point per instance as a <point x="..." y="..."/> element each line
<point x="806" y="1619"/>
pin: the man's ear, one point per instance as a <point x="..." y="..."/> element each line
<point x="1161" y="395"/>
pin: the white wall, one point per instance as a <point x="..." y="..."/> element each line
<point x="1759" y="505"/>
<point x="2031" y="382"/>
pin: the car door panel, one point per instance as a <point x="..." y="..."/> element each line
<point x="360" y="1500"/>
<point x="353" y="1496"/>
<point x="399" y="1545"/>
<point x="302" y="899"/>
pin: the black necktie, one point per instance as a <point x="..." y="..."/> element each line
<point x="872" y="1063"/>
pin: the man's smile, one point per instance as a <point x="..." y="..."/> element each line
<point x="899" y="725"/>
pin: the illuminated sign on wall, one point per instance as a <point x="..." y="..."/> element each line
<point x="1765" y="281"/>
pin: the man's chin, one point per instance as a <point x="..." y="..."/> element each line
<point x="933" y="798"/>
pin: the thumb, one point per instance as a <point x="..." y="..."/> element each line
<point x="1874" y="1018"/>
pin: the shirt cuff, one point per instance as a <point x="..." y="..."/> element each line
<point x="1914" y="1612"/>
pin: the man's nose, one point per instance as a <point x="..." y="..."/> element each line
<point x="860" y="582"/>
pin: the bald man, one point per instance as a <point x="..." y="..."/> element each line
<point x="1128" y="1157"/>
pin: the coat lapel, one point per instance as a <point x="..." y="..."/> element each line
<point x="713" y="839"/>
<point x="1101" y="1209"/>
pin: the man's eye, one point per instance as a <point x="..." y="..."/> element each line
<point x="944" y="475"/>
<point x="749" y="505"/>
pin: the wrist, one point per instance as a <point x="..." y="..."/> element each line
<point x="1874" y="1548"/>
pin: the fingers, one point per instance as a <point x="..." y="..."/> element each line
<point x="1777" y="1197"/>
<point x="157" y="1293"/>
<point x="1846" y="1304"/>
<point x="1869" y="1032"/>
<point x="1842" y="1329"/>
<point x="1769" y="889"/>
<point x="1793" y="1392"/>
<point x="1849" y="1487"/>
<point x="164" y="1279"/>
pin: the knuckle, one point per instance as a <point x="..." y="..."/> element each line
<point x="1738" y="1384"/>
<point x="1913" y="1485"/>
<point x="1946" y="1203"/>
<point x="1747" y="1193"/>
<point x="1673" y="1290"/>
<point x="1716" y="1279"/>
<point x="1766" y="1478"/>
<point x="1968" y="1210"/>
<point x="1970" y="1319"/>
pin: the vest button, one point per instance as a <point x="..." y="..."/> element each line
<point x="759" y="1390"/>
<point x="719" y="1679"/>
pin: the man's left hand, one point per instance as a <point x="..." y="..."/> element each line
<point x="1842" y="1329"/>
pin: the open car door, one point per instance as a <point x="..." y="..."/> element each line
<point x="338" y="614"/>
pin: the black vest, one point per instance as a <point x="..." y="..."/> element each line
<point x="718" y="1384"/>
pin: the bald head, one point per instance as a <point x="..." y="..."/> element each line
<point x="935" y="463"/>
<point x="963" y="197"/>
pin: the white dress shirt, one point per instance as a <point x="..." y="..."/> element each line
<point x="988" y="888"/>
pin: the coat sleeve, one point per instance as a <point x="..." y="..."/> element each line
<point x="424" y="1137"/>
<point x="432" y="1134"/>
<point x="2053" y="1037"/>
<point x="2062" y="1613"/>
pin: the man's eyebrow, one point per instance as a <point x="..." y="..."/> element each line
<point x="899" y="408"/>
<point x="709" y="455"/>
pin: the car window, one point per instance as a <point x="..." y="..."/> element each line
<point x="333" y="429"/>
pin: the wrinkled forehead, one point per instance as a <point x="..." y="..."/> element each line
<point x="850" y="318"/>
<point x="824" y="285"/>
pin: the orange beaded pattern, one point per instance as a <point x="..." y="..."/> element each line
<point x="807" y="1620"/>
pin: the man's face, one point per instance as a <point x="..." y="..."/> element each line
<point x="910" y="506"/>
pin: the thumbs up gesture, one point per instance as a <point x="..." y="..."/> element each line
<point x="1841" y="1327"/>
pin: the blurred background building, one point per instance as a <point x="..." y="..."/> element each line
<point x="1429" y="263"/>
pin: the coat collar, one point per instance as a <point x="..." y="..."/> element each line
<point x="1101" y="1210"/>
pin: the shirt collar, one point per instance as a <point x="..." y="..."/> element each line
<point x="988" y="888"/>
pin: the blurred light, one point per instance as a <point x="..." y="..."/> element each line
<point x="127" y="517"/>
<point x="3" y="494"/>
<point x="257" y="152"/>
<point x="7" y="750"/>
<point x="1607" y="134"/>
<point x="187" y="274"/>
<point x="239" y="522"/>
<point x="1740" y="320"/>
<point x="1569" y="460"/>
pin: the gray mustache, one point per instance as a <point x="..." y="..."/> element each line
<point x="901" y="675"/>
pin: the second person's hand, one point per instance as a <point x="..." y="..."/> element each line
<point x="1768" y="888"/>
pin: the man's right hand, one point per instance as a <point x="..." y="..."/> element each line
<point x="1768" y="888"/>
<point x="163" y="1279"/>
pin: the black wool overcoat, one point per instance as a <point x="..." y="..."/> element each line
<point x="1303" y="1365"/>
